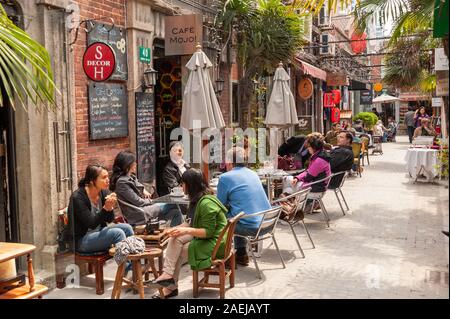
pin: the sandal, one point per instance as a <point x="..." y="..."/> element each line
<point x="174" y="293"/>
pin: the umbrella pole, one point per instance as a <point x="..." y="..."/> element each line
<point x="205" y="158"/>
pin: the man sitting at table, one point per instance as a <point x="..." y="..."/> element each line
<point x="331" y="135"/>
<point x="241" y="190"/>
<point x="425" y="129"/>
<point x="341" y="157"/>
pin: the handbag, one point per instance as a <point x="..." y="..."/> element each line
<point x="286" y="163"/>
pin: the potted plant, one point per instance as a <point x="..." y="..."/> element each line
<point x="369" y="119"/>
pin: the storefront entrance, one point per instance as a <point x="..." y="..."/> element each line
<point x="168" y="102"/>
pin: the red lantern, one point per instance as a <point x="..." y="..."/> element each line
<point x="336" y="96"/>
<point x="335" y="115"/>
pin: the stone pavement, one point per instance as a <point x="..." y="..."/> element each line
<point x="389" y="245"/>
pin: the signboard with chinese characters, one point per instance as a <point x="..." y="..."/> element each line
<point x="182" y="33"/>
<point x="337" y="79"/>
<point x="116" y="38"/>
<point x="305" y="88"/>
<point x="305" y="124"/>
<point x="440" y="60"/>
<point x="436" y="102"/>
<point x="328" y="100"/>
<point x="441" y="83"/>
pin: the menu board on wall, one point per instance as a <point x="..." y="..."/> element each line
<point x="108" y="112"/>
<point x="117" y="39"/>
<point x="145" y="136"/>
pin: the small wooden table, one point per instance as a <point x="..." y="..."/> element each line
<point x="10" y="251"/>
<point x="158" y="240"/>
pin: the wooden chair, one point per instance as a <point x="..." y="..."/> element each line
<point x="365" y="149"/>
<point x="356" y="147"/>
<point x="297" y="207"/>
<point x="137" y="283"/>
<point x="218" y="265"/>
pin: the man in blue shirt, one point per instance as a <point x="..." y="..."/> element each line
<point x="241" y="190"/>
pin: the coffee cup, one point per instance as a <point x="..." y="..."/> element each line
<point x="177" y="191"/>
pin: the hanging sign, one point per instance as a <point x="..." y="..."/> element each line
<point x="305" y="88"/>
<point x="182" y="33"/>
<point x="328" y="100"/>
<point x="145" y="55"/>
<point x="99" y="62"/>
<point x="337" y="79"/>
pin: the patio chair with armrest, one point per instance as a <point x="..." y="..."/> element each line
<point x="265" y="231"/>
<point x="356" y="148"/>
<point x="365" y="149"/>
<point x="336" y="183"/>
<point x="316" y="197"/>
<point x="218" y="265"/>
<point x="297" y="208"/>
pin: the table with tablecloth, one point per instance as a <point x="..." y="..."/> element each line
<point x="422" y="161"/>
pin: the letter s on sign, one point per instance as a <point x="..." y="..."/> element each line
<point x="99" y="54"/>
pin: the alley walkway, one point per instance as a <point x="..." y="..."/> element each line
<point x="389" y="245"/>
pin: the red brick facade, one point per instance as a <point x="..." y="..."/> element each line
<point x="98" y="151"/>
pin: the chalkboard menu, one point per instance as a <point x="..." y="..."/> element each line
<point x="108" y="113"/>
<point x="365" y="97"/>
<point x="145" y="136"/>
<point x="117" y="39"/>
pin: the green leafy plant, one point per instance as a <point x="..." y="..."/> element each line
<point x="25" y="67"/>
<point x="369" y="119"/>
<point x="443" y="165"/>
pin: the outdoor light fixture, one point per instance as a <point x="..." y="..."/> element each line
<point x="149" y="78"/>
<point x="219" y="86"/>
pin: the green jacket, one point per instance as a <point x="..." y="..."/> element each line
<point x="210" y="214"/>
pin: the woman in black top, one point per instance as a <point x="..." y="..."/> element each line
<point x="90" y="209"/>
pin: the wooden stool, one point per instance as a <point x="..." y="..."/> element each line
<point x="137" y="283"/>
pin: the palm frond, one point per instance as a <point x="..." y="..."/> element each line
<point x="25" y="67"/>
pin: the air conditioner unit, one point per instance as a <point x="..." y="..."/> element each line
<point x="326" y="48"/>
<point x="306" y="25"/>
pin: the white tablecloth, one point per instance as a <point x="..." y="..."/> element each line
<point x="417" y="157"/>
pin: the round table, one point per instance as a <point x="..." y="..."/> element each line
<point x="422" y="160"/>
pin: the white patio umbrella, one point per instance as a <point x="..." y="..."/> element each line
<point x="385" y="98"/>
<point x="281" y="110"/>
<point x="199" y="99"/>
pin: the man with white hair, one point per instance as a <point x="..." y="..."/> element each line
<point x="241" y="190"/>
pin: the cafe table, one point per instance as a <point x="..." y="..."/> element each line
<point x="422" y="161"/>
<point x="8" y="252"/>
<point x="174" y="200"/>
<point x="271" y="175"/>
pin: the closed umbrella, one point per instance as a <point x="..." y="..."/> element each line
<point x="199" y="99"/>
<point x="281" y="110"/>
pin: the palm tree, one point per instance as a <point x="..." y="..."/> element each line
<point x="25" y="68"/>
<point x="411" y="37"/>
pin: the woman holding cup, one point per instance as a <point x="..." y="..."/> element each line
<point x="91" y="207"/>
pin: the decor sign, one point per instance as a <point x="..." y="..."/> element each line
<point x="182" y="34"/>
<point x="99" y="62"/>
<point x="305" y="88"/>
<point x="377" y="87"/>
<point x="145" y="55"/>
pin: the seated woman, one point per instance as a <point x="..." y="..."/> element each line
<point x="195" y="240"/>
<point x="90" y="209"/>
<point x="175" y="168"/>
<point x="318" y="168"/>
<point x="128" y="189"/>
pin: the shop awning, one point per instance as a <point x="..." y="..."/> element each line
<point x="311" y="69"/>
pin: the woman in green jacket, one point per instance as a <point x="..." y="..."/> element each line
<point x="196" y="240"/>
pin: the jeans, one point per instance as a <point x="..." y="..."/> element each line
<point x="170" y="212"/>
<point x="100" y="241"/>
<point x="240" y="242"/>
<point x="411" y="133"/>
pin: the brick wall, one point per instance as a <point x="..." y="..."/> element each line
<point x="98" y="151"/>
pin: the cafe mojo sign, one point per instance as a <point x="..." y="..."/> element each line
<point x="182" y="34"/>
<point x="99" y="62"/>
